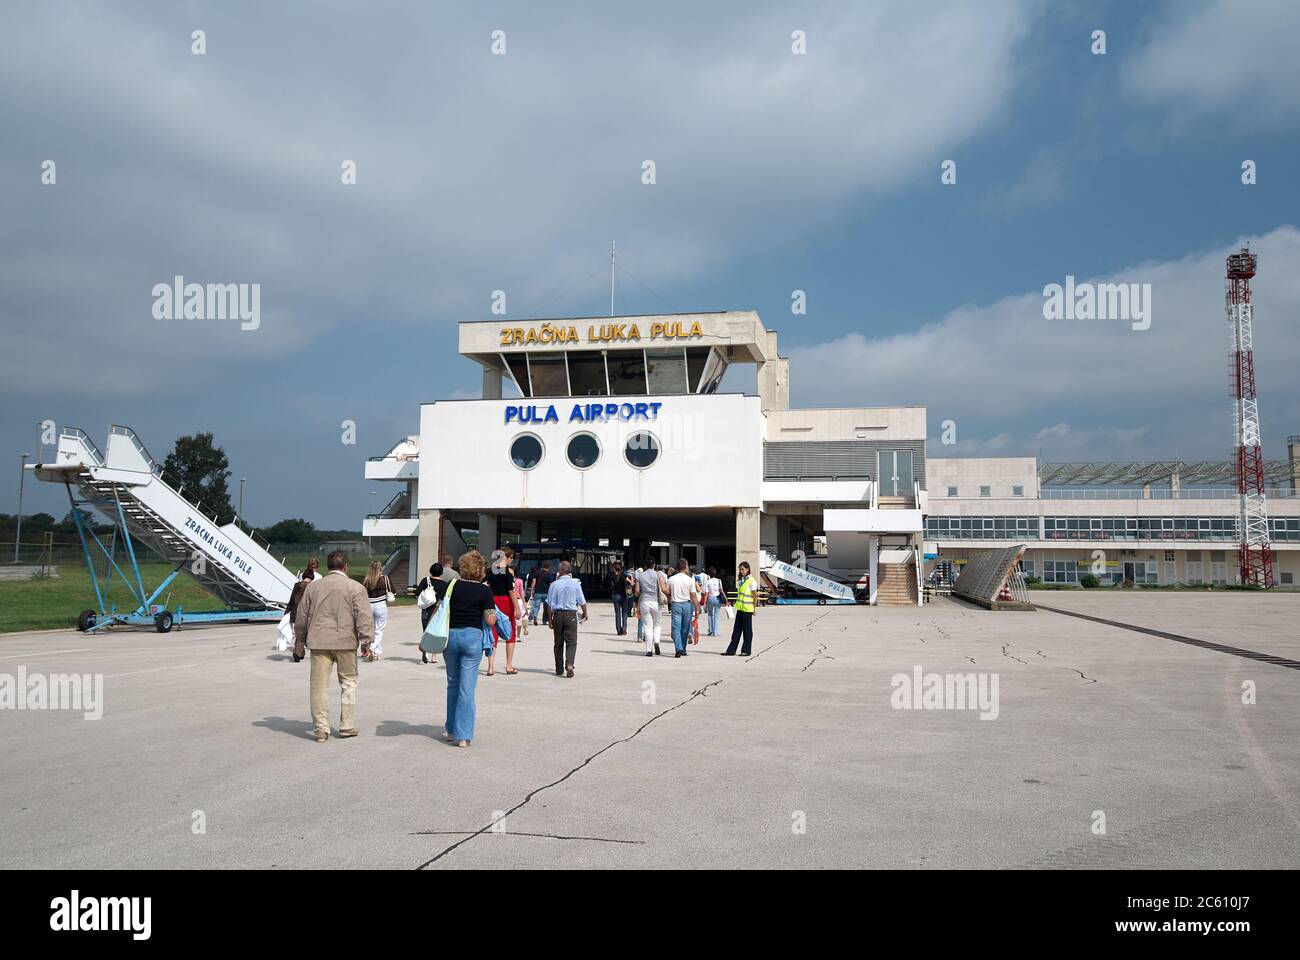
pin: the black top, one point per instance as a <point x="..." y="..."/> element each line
<point x="380" y="590"/>
<point x="468" y="602"/>
<point x="502" y="584"/>
<point x="439" y="587"/>
<point x="544" y="580"/>
<point x="620" y="583"/>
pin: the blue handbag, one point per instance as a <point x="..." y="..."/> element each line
<point x="489" y="633"/>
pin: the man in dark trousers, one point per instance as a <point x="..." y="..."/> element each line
<point x="566" y="601"/>
<point x="746" y="588"/>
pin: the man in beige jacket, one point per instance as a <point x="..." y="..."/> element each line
<point x="333" y="618"/>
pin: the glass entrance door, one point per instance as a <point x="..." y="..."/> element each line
<point x="894" y="472"/>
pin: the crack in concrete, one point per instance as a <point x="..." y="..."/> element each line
<point x="784" y="639"/>
<point x="515" y="833"/>
<point x="819" y="655"/>
<point x="1013" y="657"/>
<point x="701" y="692"/>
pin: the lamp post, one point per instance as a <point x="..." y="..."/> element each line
<point x="370" y="542"/>
<point x="18" y="534"/>
<point x="241" y="499"/>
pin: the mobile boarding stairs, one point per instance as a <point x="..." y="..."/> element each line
<point x="127" y="487"/>
<point x="807" y="584"/>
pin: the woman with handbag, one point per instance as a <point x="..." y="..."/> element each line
<point x="431" y="591"/>
<point x="459" y="627"/>
<point x="501" y="579"/>
<point x="381" y="595"/>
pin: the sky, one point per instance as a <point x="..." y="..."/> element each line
<point x="775" y="171"/>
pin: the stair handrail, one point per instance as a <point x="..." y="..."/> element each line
<point x="123" y="431"/>
<point x="84" y="437"/>
<point x="389" y="506"/>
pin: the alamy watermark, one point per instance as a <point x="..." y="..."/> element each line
<point x="76" y="913"/>
<point x="945" y="691"/>
<point x="1098" y="301"/>
<point x="55" y="691"/>
<point x="179" y="300"/>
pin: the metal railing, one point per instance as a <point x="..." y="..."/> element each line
<point x="391" y="509"/>
<point x="1186" y="493"/>
<point x="154" y="467"/>
<point x="396" y="457"/>
<point x="84" y="437"/>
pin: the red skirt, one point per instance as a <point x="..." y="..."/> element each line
<point x="505" y="608"/>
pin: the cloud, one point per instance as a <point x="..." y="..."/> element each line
<point x="475" y="172"/>
<point x="1224" y="57"/>
<point x="1083" y="389"/>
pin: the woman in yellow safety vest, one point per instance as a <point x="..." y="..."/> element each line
<point x="744" y="625"/>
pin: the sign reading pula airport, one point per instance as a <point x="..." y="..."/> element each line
<point x="548" y="333"/>
<point x="583" y="412"/>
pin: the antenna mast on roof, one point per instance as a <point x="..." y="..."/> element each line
<point x="613" y="246"/>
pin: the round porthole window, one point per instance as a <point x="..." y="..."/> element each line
<point x="526" y="451"/>
<point x="583" y="451"/>
<point x="642" y="450"/>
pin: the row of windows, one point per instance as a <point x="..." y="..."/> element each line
<point x="982" y="528"/>
<point x="987" y="491"/>
<point x="583" y="450"/>
<point x="1139" y="571"/>
<point x="1100" y="528"/>
<point x="600" y="373"/>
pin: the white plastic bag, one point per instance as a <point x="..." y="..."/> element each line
<point x="731" y="612"/>
<point x="284" y="635"/>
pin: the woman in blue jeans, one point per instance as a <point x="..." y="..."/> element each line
<point x="472" y="608"/>
<point x="713" y="599"/>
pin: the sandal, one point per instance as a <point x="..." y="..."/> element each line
<point x="509" y="672"/>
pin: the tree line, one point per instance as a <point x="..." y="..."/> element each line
<point x="200" y="470"/>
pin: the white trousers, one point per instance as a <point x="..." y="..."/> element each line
<point x="379" y="610"/>
<point x="650" y="619"/>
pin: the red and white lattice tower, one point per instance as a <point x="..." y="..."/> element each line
<point x="1255" y="552"/>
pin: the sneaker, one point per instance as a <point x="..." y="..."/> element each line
<point x="649" y="654"/>
<point x="322" y="736"/>
<point x="351" y="732"/>
<point x="568" y="672"/>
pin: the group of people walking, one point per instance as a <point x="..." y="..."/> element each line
<point x="333" y="617"/>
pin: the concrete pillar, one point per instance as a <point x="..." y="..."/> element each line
<point x="773" y="377"/>
<point x="491" y="384"/>
<point x="747" y="537"/>
<point x="487" y="534"/>
<point x="674" y="551"/>
<point x="1175" y="484"/>
<point x="699" y="558"/>
<point x="428" y="543"/>
<point x="768" y="535"/>
<point x="873" y="565"/>
<point x="1146" y="491"/>
<point x="529" y="531"/>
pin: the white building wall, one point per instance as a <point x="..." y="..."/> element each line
<point x="711" y="455"/>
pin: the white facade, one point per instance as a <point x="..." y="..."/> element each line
<point x="724" y="477"/>
<point x="849" y="491"/>
<point x="711" y="452"/>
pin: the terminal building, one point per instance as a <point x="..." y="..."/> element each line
<point x="610" y="437"/>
